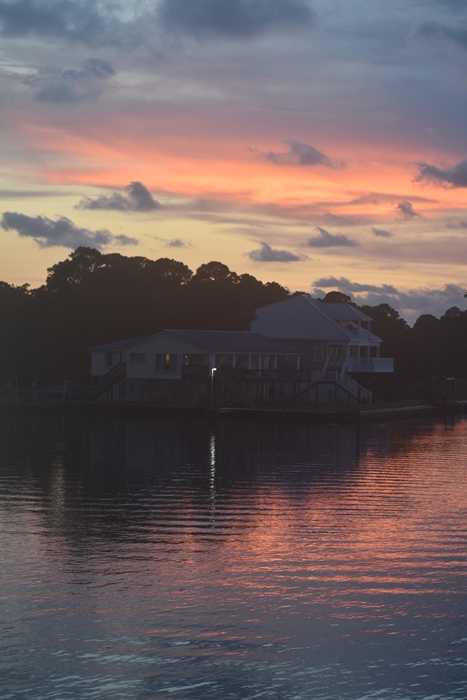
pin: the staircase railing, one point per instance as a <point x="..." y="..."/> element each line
<point x="238" y="387"/>
<point x="115" y="375"/>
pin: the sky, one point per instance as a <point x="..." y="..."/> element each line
<point x="320" y="144"/>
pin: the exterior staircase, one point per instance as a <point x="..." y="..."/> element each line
<point x="239" y="388"/>
<point x="339" y="377"/>
<point x="116" y="374"/>
<point x="348" y="384"/>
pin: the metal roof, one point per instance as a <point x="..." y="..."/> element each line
<point x="303" y="318"/>
<point x="117" y="344"/>
<point x="297" y="318"/>
<point x="234" y="341"/>
<point x="213" y="341"/>
<point x="340" y="311"/>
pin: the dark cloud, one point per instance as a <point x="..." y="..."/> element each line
<point x="83" y="21"/>
<point x="457" y="224"/>
<point x="267" y="254"/>
<point x="381" y="233"/>
<point x="406" y="211"/>
<point x="438" y="35"/>
<point x="137" y="199"/>
<point x="456" y="176"/>
<point x="63" y="232"/>
<point x="299" y="153"/>
<point x="410" y="303"/>
<point x="174" y="242"/>
<point x="345" y="285"/>
<point x="330" y="240"/>
<point x="234" y="19"/>
<point x="54" y="85"/>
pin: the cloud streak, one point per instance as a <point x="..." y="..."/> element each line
<point x="137" y="198"/>
<point x="62" y="232"/>
<point x="324" y="239"/>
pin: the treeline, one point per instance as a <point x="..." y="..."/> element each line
<point x="92" y="298"/>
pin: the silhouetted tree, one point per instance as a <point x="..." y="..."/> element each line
<point x="339" y="297"/>
<point x="394" y="331"/>
<point x="92" y="297"/>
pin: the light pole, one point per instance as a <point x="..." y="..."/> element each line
<point x="214" y="369"/>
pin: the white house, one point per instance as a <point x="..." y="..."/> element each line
<point x="335" y="339"/>
<point x="298" y="350"/>
<point x="188" y="366"/>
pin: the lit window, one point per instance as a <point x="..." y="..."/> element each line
<point x="166" y="362"/>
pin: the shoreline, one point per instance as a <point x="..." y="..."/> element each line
<point x="305" y="414"/>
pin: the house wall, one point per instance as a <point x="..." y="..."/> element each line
<point x="307" y="347"/>
<point x="167" y="344"/>
<point x="164" y="343"/>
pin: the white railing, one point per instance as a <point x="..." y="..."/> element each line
<point x="377" y="363"/>
<point x="349" y="384"/>
<point x="382" y="362"/>
<point x="321" y="372"/>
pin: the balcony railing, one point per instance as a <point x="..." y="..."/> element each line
<point x="377" y="364"/>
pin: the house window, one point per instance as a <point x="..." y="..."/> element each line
<point x="254" y="361"/>
<point x="166" y="362"/>
<point x="353" y="351"/>
<point x="336" y="354"/>
<point x="195" y="360"/>
<point x="318" y="354"/>
<point x="268" y="362"/>
<point x="224" y="360"/>
<point x="108" y="359"/>
<point x="137" y="357"/>
<point x="241" y="362"/>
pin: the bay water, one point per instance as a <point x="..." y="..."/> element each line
<point x="145" y="558"/>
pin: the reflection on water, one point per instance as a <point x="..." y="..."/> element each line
<point x="195" y="559"/>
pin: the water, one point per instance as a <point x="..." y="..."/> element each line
<point x="188" y="559"/>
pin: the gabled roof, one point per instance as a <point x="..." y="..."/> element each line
<point x="233" y="341"/>
<point x="340" y="311"/>
<point x="115" y="345"/>
<point x="297" y="318"/>
<point x="212" y="341"/>
<point x="302" y="318"/>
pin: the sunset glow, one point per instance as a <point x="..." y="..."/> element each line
<point x="259" y="132"/>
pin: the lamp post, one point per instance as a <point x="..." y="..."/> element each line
<point x="214" y="369"/>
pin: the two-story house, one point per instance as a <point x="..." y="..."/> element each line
<point x="335" y="339"/>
